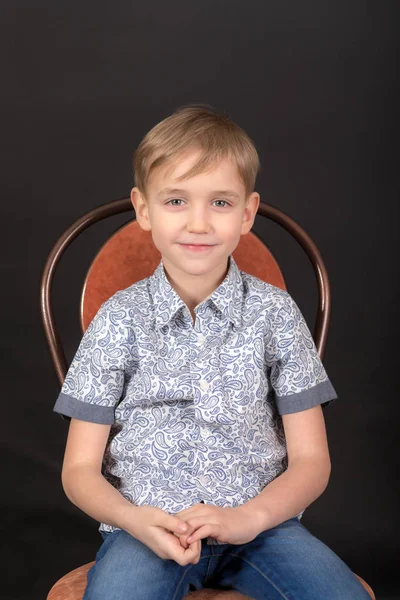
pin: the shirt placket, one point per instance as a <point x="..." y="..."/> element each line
<point x="198" y="337"/>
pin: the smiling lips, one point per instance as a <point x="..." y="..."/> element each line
<point x="197" y="247"/>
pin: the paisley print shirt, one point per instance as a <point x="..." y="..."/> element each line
<point x="199" y="405"/>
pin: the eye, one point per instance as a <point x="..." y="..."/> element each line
<point x="175" y="202"/>
<point x="221" y="203"/>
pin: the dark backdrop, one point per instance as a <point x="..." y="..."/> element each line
<point x="314" y="84"/>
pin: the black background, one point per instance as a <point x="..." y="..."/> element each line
<point x="314" y="84"/>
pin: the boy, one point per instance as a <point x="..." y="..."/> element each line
<point x="216" y="385"/>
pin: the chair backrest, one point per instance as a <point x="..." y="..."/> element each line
<point x="130" y="255"/>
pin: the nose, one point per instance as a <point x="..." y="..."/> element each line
<point x="198" y="220"/>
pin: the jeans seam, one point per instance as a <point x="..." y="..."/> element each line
<point x="184" y="575"/>
<point x="261" y="573"/>
<point x="208" y="569"/>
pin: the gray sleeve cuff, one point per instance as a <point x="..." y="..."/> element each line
<point x="69" y="406"/>
<point x="323" y="393"/>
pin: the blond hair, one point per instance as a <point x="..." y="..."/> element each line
<point x="197" y="127"/>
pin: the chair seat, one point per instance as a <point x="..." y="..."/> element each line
<point x="72" y="587"/>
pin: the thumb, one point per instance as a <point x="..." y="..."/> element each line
<point x="195" y="550"/>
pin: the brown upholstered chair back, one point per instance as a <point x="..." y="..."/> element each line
<point x="130" y="255"/>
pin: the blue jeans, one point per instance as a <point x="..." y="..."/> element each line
<point x="285" y="562"/>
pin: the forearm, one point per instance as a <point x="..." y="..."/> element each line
<point x="290" y="493"/>
<point x="89" y="491"/>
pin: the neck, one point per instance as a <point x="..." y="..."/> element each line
<point x="193" y="289"/>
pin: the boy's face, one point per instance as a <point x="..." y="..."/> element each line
<point x="196" y="223"/>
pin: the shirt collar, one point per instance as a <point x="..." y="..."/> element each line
<point x="227" y="298"/>
<point x="165" y="299"/>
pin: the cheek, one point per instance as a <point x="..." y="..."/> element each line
<point x="231" y="228"/>
<point x="165" y="228"/>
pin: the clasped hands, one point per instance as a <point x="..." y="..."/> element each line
<point x="179" y="537"/>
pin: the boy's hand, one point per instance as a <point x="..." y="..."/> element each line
<point x="158" y="530"/>
<point x="229" y="525"/>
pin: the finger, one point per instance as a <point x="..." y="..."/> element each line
<point x="171" y="523"/>
<point x="182" y="537"/>
<point x="191" y="510"/>
<point x="183" y="540"/>
<point x="183" y="557"/>
<point x="190" y="529"/>
<point x="196" y="546"/>
<point x="192" y="554"/>
<point x="209" y="530"/>
<point x="173" y="550"/>
<point x="198" y="521"/>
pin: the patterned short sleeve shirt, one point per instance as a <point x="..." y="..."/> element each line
<point x="199" y="405"/>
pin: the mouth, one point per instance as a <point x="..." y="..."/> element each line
<point x="197" y="247"/>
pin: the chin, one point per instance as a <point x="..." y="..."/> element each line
<point x="195" y="267"/>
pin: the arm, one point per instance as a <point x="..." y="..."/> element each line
<point x="86" y="487"/>
<point x="81" y="475"/>
<point x="307" y="474"/>
<point x="304" y="480"/>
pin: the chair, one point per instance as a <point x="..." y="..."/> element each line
<point x="124" y="248"/>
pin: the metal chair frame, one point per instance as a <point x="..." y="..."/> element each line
<point x="124" y="205"/>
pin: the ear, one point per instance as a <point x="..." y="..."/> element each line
<point x="250" y="212"/>
<point x="141" y="209"/>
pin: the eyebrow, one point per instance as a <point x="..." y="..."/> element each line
<point x="170" y="191"/>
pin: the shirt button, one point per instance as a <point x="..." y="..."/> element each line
<point x="201" y="339"/>
<point x="203" y="479"/>
<point x="204" y="385"/>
